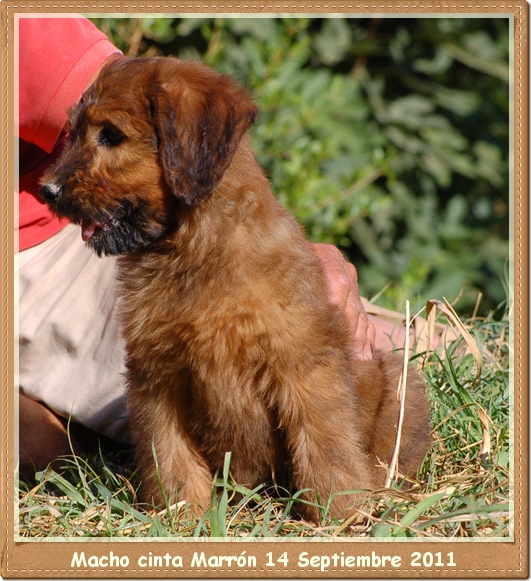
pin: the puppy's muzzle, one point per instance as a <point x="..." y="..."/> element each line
<point x="50" y="192"/>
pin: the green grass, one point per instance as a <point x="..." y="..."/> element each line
<point x="462" y="489"/>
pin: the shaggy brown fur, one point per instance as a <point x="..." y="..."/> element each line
<point x="232" y="342"/>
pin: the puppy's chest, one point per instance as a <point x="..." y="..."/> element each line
<point x="230" y="335"/>
<point x="202" y="315"/>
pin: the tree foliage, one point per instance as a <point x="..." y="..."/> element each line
<point x="388" y="137"/>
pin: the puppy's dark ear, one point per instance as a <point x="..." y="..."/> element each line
<point x="200" y="117"/>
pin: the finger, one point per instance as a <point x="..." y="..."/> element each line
<point x="338" y="278"/>
<point x="371" y="341"/>
<point x="342" y="279"/>
<point x="359" y="328"/>
<point x="362" y="329"/>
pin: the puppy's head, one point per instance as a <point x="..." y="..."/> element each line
<point x="148" y="135"/>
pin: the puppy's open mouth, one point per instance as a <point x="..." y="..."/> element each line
<point x="89" y="228"/>
<point x="125" y="230"/>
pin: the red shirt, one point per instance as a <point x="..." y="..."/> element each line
<point x="57" y="59"/>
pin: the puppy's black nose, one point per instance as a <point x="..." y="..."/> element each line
<point x="50" y="192"/>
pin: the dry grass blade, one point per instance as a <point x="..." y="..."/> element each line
<point x="485" y="444"/>
<point x="401" y="396"/>
<point x="127" y="484"/>
<point x="476" y="308"/>
<point x="452" y="414"/>
<point x="454" y="320"/>
<point x="356" y="519"/>
<point x="428" y="333"/>
<point x="174" y="508"/>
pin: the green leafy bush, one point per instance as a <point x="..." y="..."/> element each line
<point x="388" y="137"/>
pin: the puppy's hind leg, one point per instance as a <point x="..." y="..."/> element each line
<point x="376" y="387"/>
<point x="169" y="460"/>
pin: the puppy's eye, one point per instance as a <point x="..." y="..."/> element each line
<point x="110" y="137"/>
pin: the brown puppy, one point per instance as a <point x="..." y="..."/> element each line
<point x="232" y="342"/>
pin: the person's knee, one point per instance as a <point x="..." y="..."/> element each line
<point x="42" y="436"/>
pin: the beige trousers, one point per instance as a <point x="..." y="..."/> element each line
<point x="71" y="354"/>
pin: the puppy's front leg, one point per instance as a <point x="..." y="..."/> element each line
<point x="159" y="431"/>
<point x="319" y="417"/>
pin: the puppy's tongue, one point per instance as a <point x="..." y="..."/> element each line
<point x="87" y="230"/>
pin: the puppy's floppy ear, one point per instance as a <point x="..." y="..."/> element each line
<point x="200" y="117"/>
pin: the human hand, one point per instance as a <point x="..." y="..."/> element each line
<point x="343" y="289"/>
